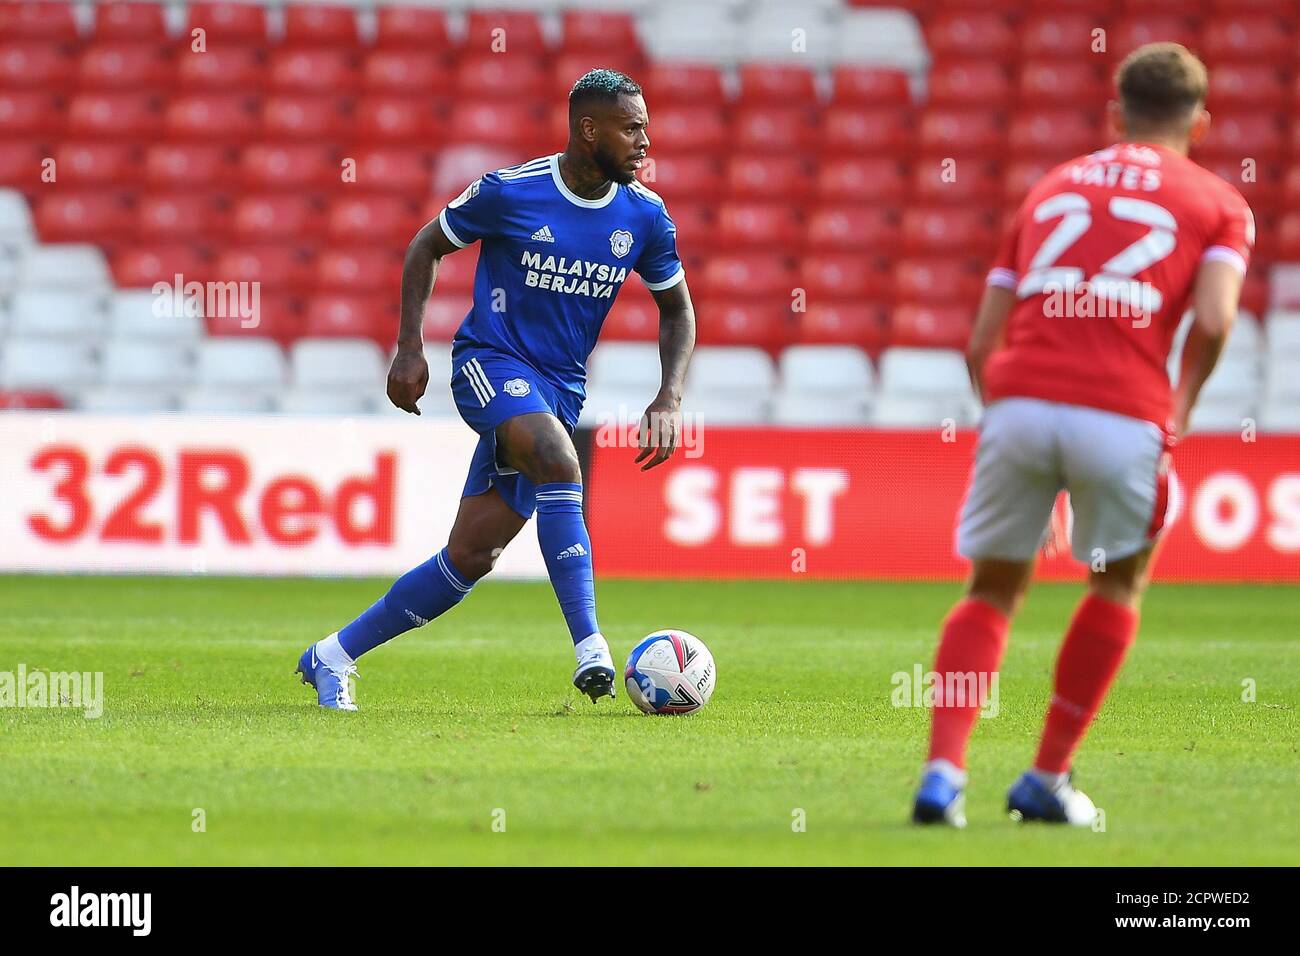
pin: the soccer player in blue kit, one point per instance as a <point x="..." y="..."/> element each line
<point x="559" y="236"/>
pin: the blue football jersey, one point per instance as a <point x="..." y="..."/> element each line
<point x="551" y="262"/>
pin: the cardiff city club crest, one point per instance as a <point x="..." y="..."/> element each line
<point x="620" y="240"/>
<point x="516" y="387"/>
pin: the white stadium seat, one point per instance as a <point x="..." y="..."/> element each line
<point x="821" y="409"/>
<point x="613" y="406"/>
<point x="1234" y="379"/>
<point x="924" y="373"/>
<point x="1280" y="415"/>
<point x="145" y="363"/>
<point x="244" y="363"/>
<point x="815" y="368"/>
<point x="1222" y="413"/>
<point x="625" y="365"/>
<point x="693" y="31"/>
<point x="220" y="401"/>
<point x="135" y="314"/>
<point x="325" y="401"/>
<point x="1282" y="376"/>
<point x="1283" y="332"/>
<point x="1246" y="337"/>
<point x="768" y="34"/>
<point x="886" y="38"/>
<point x="914" y="411"/>
<point x="66" y="267"/>
<point x="340" y="363"/>
<point x="55" y="313"/>
<point x="119" y="400"/>
<point x="714" y="408"/>
<point x="736" y="370"/>
<point x="15" y="219"/>
<point x="63" y="365"/>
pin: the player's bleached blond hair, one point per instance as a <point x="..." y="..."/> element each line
<point x="1161" y="84"/>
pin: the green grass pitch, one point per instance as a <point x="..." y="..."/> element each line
<point x="472" y="748"/>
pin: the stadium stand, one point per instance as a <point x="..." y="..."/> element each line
<point x="801" y="151"/>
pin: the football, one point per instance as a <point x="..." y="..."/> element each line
<point x="670" y="672"/>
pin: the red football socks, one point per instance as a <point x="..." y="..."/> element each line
<point x="974" y="637"/>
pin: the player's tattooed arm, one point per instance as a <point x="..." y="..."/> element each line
<point x="661" y="425"/>
<point x="408" y="376"/>
<point x="1214" y="305"/>
<point x="990" y="320"/>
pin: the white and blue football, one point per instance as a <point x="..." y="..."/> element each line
<point x="670" y="672"/>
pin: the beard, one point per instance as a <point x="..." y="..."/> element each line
<point x="611" y="167"/>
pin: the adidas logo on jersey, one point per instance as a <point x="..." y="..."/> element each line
<point x="543" y="235"/>
<point x="572" y="551"/>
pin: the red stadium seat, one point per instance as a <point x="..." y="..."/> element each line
<point x="177" y="216"/>
<point x="634" y="317"/>
<point x="1054" y="132"/>
<point x="20" y="163"/>
<point x="1260" y="183"/>
<point x="416" y="72"/>
<point x="1291" y="187"/>
<point x="1287" y="235"/>
<point x="367" y="219"/>
<point x="851" y="130"/>
<point x="12" y="398"/>
<point x="1251" y="38"/>
<point x="871" y="179"/>
<point x="696" y="220"/>
<point x="420" y="28"/>
<point x="97" y="164"/>
<point x="279" y="317"/>
<point x="226" y="69"/>
<point x="837" y="227"/>
<point x="869" y="86"/>
<point x="124" y="66"/>
<point x="188" y="164"/>
<point x="395" y="119"/>
<point x="406" y="170"/>
<point x="1248" y="86"/>
<point x="599" y="32"/>
<point x="130" y="21"/>
<point x="934" y="230"/>
<point x="1241" y="135"/>
<point x="277" y="266"/>
<point x="1021" y="176"/>
<point x="931" y="326"/>
<point x="776" y="178"/>
<point x="757" y="225"/>
<point x="849" y="322"/>
<point x="287" y="166"/>
<point x="37" y="65"/>
<point x="970" y="83"/>
<point x="691" y="85"/>
<point x="764" y="84"/>
<point x="456" y="273"/>
<point x="1075" y="83"/>
<point x="228" y="22"/>
<point x="505" y="124"/>
<point x="25" y="113"/>
<point x="726" y="322"/>
<point x="748" y="275"/>
<point x="458" y="166"/>
<point x="360" y="268"/>
<point x="257" y="219"/>
<point x="1059" y="36"/>
<point x="37" y="21"/>
<point x="789" y="129"/>
<point x="304" y="116"/>
<point x="313" y="71"/>
<point x="495" y="32"/>
<point x="228" y="117"/>
<point x="319" y="25"/>
<point x="844" y="275"/>
<point x="939" y="280"/>
<point x="81" y="216"/>
<point x="138" y="266"/>
<point x="965" y="34"/>
<point x="444" y="314"/>
<point x="949" y="132"/>
<point x="1134" y="31"/>
<point x="352" y="316"/>
<point x="682" y="176"/>
<point x="567" y="68"/>
<point x="115" y="115"/>
<point x="492" y="76"/>
<point x="682" y="129"/>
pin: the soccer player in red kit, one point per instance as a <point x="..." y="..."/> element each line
<point x="1069" y="353"/>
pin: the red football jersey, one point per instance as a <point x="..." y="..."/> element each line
<point x="1103" y="256"/>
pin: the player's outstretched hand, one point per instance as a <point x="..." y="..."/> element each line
<point x="657" y="437"/>
<point x="408" y="377"/>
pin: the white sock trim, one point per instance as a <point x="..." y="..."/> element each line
<point x="947" y="769"/>
<point x="332" y="655"/>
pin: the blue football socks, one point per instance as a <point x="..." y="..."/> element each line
<point x="415" y="599"/>
<point x="566" y="546"/>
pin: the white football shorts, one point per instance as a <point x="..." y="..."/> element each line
<point x="1115" y="468"/>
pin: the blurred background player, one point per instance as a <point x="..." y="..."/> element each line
<point x="559" y="236"/>
<point x="1069" y="352"/>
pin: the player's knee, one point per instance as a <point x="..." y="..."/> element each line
<point x="473" y="561"/>
<point x="555" y="460"/>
